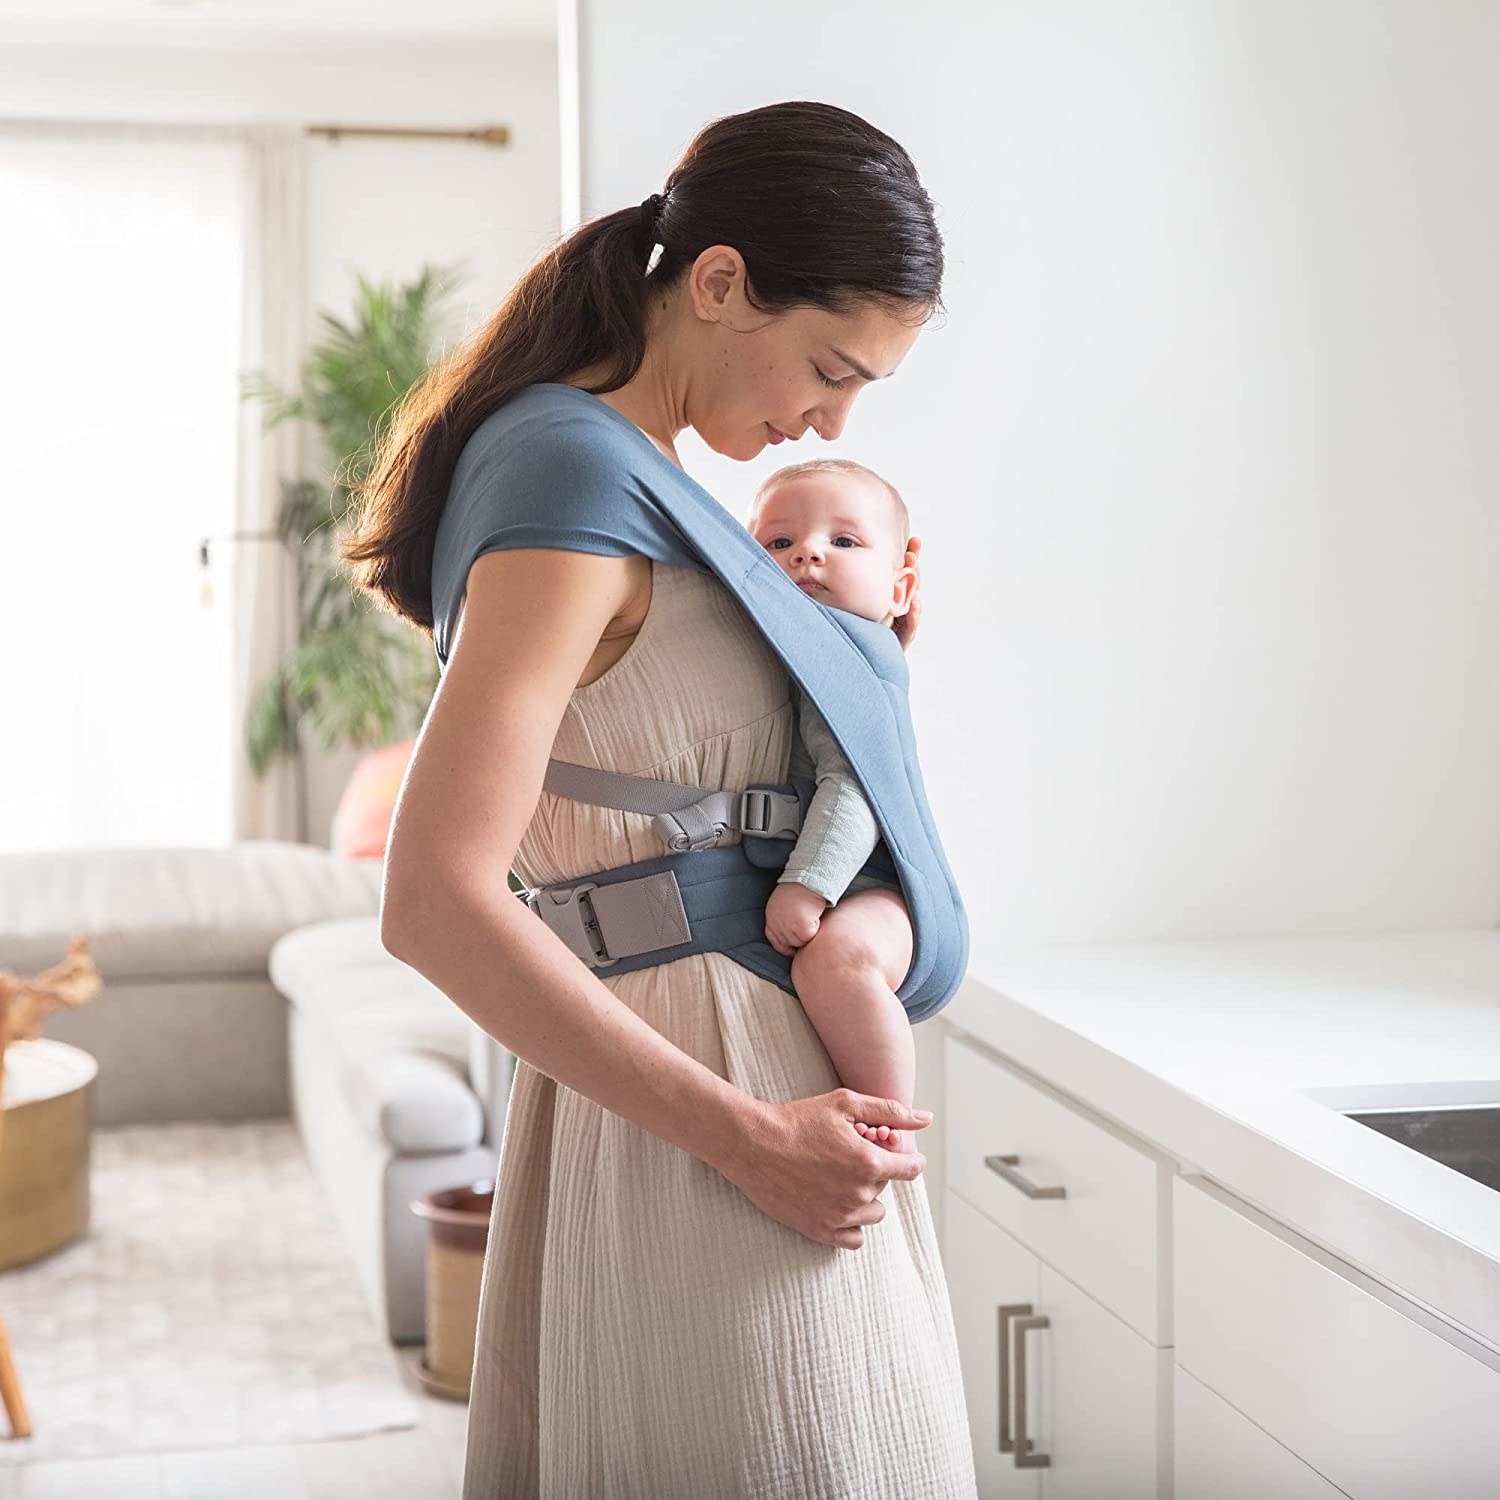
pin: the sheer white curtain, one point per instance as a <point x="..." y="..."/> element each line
<point x="274" y="307"/>
<point x="124" y="264"/>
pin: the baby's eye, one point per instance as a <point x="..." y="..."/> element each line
<point x="851" y="540"/>
<point x="830" y="382"/>
<point x="779" y="541"/>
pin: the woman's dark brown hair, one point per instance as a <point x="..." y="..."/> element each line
<point x="827" y="212"/>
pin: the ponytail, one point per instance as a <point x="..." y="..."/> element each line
<point x="826" y="211"/>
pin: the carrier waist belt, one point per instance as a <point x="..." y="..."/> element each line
<point x="658" y="910"/>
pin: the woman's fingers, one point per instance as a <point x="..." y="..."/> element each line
<point x="874" y="1110"/>
<point x="805" y="1165"/>
<point x="852" y="1235"/>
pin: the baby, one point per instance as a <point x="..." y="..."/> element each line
<point x="839" y="532"/>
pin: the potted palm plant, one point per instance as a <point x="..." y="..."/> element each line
<point x="356" y="676"/>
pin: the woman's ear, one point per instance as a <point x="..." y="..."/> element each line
<point x="716" y="274"/>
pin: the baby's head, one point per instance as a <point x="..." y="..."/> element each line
<point x="839" y="532"/>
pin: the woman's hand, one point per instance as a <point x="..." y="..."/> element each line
<point x="905" y="625"/>
<point x="793" y="915"/>
<point x="805" y="1164"/>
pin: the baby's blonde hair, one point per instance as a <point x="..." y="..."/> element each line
<point x="899" y="513"/>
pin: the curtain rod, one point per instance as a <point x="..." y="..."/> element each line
<point x="485" y="135"/>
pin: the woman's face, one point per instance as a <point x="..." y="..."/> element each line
<point x="753" y="375"/>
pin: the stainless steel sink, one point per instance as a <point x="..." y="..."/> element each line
<point x="1457" y="1124"/>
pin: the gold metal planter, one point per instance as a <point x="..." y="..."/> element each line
<point x="44" y="1152"/>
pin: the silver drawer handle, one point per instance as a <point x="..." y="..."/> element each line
<point x="1025" y="1457"/>
<point x="1005" y="1166"/>
<point x="1017" y="1444"/>
<point x="1007" y="1443"/>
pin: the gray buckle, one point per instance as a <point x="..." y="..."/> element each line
<point x="640" y="916"/>
<point x="766" y="813"/>
<point x="569" y="912"/>
<point x="757" y="812"/>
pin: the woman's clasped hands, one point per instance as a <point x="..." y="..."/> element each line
<point x="803" y="1162"/>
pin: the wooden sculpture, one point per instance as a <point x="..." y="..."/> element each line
<point x="24" y="1005"/>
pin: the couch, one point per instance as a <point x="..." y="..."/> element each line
<point x="249" y="981"/>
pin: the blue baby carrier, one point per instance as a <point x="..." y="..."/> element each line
<point x="556" y="467"/>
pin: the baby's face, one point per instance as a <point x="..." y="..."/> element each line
<point x="835" y="536"/>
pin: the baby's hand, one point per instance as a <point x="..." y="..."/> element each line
<point x="793" y="915"/>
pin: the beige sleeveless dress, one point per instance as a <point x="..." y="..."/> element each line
<point x="645" y="1331"/>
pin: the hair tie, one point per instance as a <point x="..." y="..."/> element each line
<point x="651" y="211"/>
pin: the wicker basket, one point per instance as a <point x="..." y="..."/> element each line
<point x="458" y="1223"/>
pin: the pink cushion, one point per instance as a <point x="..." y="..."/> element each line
<point x="362" y="823"/>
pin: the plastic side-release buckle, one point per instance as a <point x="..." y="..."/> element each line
<point x="621" y="919"/>
<point x="770" y="812"/>
<point x="569" y="912"/>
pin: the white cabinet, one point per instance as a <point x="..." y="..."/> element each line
<point x="1102" y="1389"/>
<point x="988" y="1270"/>
<point x="1220" y="1454"/>
<point x="1180" y="1344"/>
<point x="1070" y="1187"/>
<point x="1073" y="1389"/>
<point x="1362" y="1385"/>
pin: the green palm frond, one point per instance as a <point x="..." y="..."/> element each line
<point x="350" y="678"/>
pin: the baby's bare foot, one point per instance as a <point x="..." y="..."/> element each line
<point x="883" y="1135"/>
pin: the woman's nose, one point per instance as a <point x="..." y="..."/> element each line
<point x="828" y="421"/>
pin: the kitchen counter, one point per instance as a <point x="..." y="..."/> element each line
<point x="1201" y="1048"/>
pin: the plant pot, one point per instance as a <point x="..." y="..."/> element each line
<point x="458" y="1224"/>
<point x="48" y="1095"/>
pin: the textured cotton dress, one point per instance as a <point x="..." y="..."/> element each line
<point x="645" y="1331"/>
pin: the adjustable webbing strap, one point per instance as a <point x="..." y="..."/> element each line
<point x="688" y="818"/>
<point x="658" y="910"/>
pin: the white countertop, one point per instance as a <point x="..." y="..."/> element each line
<point x="1202" y="1048"/>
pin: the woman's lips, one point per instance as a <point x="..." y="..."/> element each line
<point x="776" y="437"/>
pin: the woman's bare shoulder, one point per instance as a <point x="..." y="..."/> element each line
<point x="531" y="623"/>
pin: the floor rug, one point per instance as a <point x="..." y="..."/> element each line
<point x="211" y="1304"/>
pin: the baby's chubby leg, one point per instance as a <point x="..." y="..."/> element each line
<point x="847" y="977"/>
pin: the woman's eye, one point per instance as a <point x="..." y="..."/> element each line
<point x="830" y="382"/>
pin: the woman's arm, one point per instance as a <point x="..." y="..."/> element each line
<point x="531" y="622"/>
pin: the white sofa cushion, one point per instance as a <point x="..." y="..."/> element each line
<point x="401" y="1044"/>
<point x="171" y="912"/>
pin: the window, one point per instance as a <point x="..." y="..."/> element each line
<point x="121" y="271"/>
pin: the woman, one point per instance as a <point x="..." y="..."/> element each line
<point x="667" y="1309"/>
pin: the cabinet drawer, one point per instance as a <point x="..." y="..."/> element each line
<point x="1099" y="1410"/>
<point x="986" y="1269"/>
<point x="1092" y="1384"/>
<point x="1105" y="1233"/>
<point x="1366" y="1392"/>
<point x="1220" y="1454"/>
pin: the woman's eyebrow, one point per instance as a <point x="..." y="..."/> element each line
<point x="854" y="364"/>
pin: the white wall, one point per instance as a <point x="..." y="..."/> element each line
<point x="1205" y="455"/>
<point x="381" y="207"/>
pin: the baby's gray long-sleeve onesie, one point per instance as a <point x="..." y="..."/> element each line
<point x="839" y="832"/>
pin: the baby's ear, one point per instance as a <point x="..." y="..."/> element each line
<point x="902" y="589"/>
